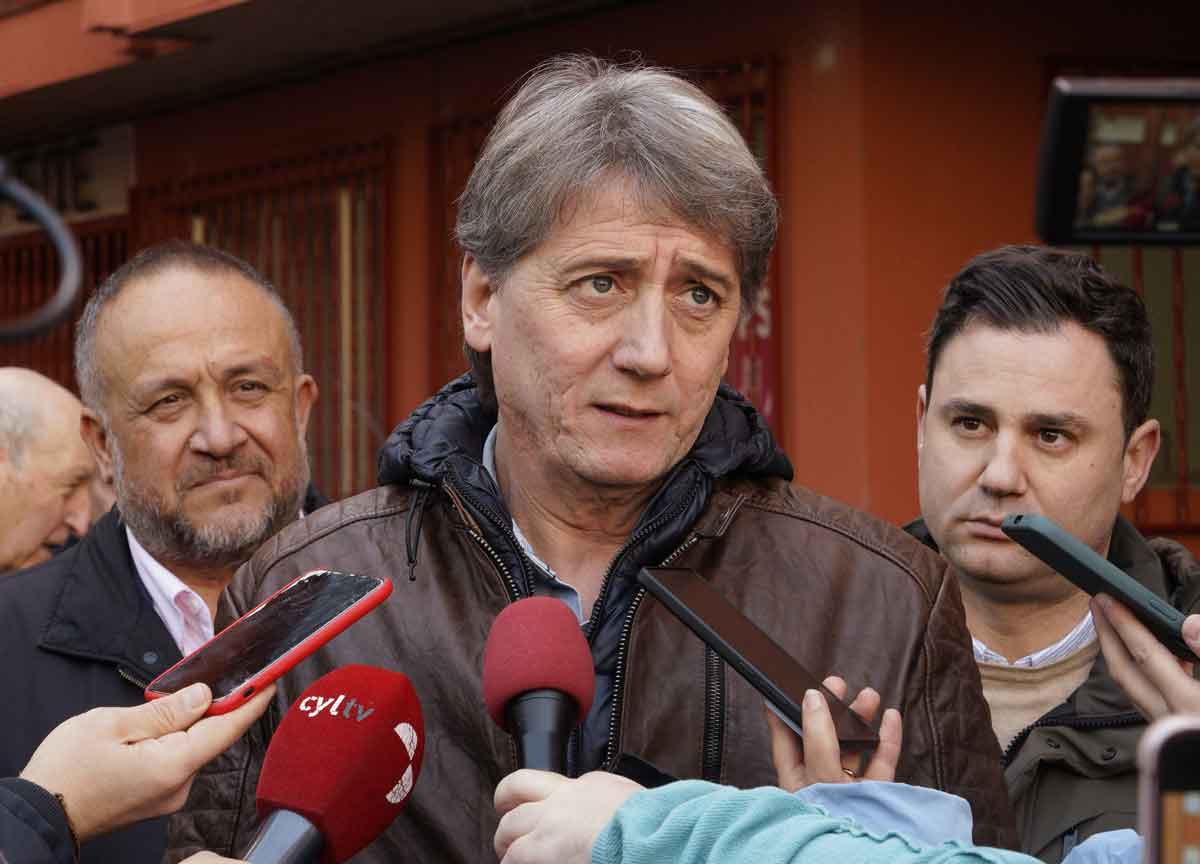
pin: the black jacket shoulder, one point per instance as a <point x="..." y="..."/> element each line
<point x="79" y="632"/>
<point x="33" y="827"/>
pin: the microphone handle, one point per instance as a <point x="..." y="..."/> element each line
<point x="541" y="721"/>
<point x="285" y="837"/>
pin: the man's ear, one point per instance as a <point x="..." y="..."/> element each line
<point x="922" y="409"/>
<point x="306" y="395"/>
<point x="478" y="289"/>
<point x="95" y="436"/>
<point x="1140" y="451"/>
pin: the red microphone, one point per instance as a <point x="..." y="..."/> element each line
<point x="538" y="679"/>
<point x="339" y="768"/>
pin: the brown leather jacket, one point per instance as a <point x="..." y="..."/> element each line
<point x="843" y="592"/>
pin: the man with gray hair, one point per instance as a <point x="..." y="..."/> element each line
<point x="196" y="406"/>
<point x="615" y="227"/>
<point x="46" y="471"/>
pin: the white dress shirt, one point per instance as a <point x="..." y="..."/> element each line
<point x="181" y="609"/>
<point x="1082" y="636"/>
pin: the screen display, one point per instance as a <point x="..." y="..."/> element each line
<point x="267" y="633"/>
<point x="1141" y="169"/>
<point x="1180" y="827"/>
<point x="751" y="652"/>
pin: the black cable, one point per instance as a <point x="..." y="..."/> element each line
<point x="50" y="314"/>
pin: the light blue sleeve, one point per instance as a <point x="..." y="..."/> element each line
<point x="925" y="816"/>
<point x="692" y="822"/>
<point x="1108" y="847"/>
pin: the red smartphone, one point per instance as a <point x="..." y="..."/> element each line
<point x="273" y="637"/>
<point x="1169" y="791"/>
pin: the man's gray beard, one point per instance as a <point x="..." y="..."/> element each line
<point x="170" y="536"/>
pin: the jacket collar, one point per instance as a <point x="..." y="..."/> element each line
<point x="452" y="426"/>
<point x="103" y="611"/>
<point x="444" y="438"/>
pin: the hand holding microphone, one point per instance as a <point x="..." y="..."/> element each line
<point x="339" y="768"/>
<point x="538" y="679"/>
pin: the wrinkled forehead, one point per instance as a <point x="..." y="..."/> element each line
<point x="181" y="315"/>
<point x="616" y="193"/>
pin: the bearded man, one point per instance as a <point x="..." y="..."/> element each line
<point x="195" y="403"/>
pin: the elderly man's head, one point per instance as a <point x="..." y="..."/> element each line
<point x="615" y="226"/>
<point x="190" y="369"/>
<point x="45" y="468"/>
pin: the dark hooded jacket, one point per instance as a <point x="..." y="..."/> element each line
<point x="78" y="632"/>
<point x="1073" y="772"/>
<point x="842" y="592"/>
<point x="33" y="825"/>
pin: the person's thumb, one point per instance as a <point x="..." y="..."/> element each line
<point x="167" y="714"/>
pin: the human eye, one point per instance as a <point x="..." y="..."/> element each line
<point x="249" y="389"/>
<point x="599" y="283"/>
<point x="967" y="424"/>
<point x="595" y="289"/>
<point x="166" y="404"/>
<point x="1054" y="438"/>
<point x="702" y="295"/>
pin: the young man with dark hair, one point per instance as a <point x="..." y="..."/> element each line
<point x="1040" y="369"/>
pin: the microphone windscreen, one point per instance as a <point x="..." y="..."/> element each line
<point x="346" y="756"/>
<point x="536" y="644"/>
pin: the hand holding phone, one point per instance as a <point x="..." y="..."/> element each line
<point x="1156" y="681"/>
<point x="1084" y="567"/>
<point x="753" y="654"/>
<point x="274" y="636"/>
<point x="816" y="757"/>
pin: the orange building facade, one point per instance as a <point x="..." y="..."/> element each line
<point x="901" y="140"/>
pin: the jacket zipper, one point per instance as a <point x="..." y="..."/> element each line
<point x="510" y="583"/>
<point x="514" y="591"/>
<point x="1129" y="718"/>
<point x="614" y="717"/>
<point x="601" y="599"/>
<point x="714" y="716"/>
<point x="646" y="531"/>
<point x="142" y="685"/>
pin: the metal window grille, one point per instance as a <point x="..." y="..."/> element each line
<point x="1169" y="281"/>
<point x="29" y="272"/>
<point x="316" y="227"/>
